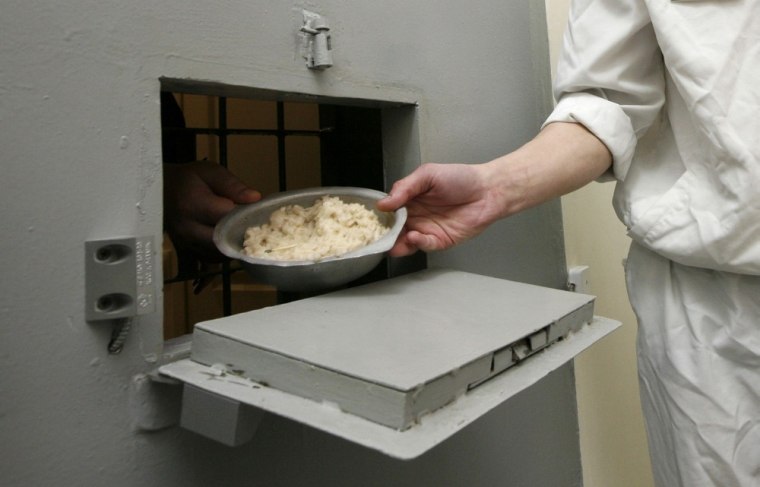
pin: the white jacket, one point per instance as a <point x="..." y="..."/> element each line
<point x="673" y="90"/>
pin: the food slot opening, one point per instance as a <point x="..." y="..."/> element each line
<point x="272" y="142"/>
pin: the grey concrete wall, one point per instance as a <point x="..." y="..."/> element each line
<point x="79" y="91"/>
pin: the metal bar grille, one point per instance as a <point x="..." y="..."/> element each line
<point x="233" y="131"/>
<point x="223" y="132"/>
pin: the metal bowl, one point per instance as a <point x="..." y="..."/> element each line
<point x="306" y="275"/>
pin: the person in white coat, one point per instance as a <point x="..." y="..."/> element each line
<point x="663" y="97"/>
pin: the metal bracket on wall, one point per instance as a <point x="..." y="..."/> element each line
<point x="316" y="42"/>
<point x="119" y="278"/>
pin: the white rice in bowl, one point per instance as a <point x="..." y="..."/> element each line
<point x="330" y="227"/>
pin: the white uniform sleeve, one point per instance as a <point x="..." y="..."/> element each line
<point x="610" y="76"/>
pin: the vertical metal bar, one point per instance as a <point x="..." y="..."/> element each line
<point x="282" y="297"/>
<point x="226" y="279"/>
<point x="282" y="170"/>
<point x="222" y="123"/>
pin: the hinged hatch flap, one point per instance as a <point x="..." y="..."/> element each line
<point x="390" y="352"/>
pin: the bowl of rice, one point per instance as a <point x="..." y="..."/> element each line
<point x="312" y="239"/>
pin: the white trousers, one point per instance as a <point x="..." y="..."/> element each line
<point x="699" y="371"/>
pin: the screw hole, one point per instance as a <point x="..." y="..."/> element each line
<point x="105" y="304"/>
<point x="111" y="254"/>
<point x="112" y="303"/>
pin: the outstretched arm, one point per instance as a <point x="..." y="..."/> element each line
<point x="450" y="203"/>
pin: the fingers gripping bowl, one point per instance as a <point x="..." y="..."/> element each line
<point x="307" y="275"/>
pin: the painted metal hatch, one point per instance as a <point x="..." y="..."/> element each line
<point x="394" y="354"/>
